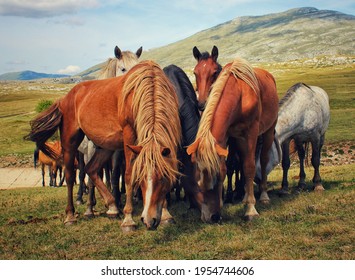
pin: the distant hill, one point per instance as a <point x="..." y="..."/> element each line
<point x="29" y="75"/>
<point x="301" y="33"/>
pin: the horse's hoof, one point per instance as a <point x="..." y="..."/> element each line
<point x="79" y="202"/>
<point x="128" y="228"/>
<point x="112" y="216"/>
<point x="69" y="222"/>
<point x="249" y="218"/>
<point x="318" y="188"/>
<point x="283" y="192"/>
<point x="168" y="222"/>
<point x="265" y="201"/>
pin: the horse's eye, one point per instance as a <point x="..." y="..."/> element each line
<point x="123" y="69"/>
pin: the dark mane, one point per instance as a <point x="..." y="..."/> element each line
<point x="188" y="108"/>
<point x="290" y="92"/>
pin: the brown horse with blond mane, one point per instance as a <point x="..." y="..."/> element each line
<point x="243" y="104"/>
<point x="129" y="113"/>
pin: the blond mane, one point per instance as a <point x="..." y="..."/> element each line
<point x="207" y="157"/>
<point x="157" y="123"/>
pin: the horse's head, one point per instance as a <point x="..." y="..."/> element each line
<point x="209" y="174"/>
<point x="154" y="182"/>
<point x="206" y="72"/>
<point x="126" y="60"/>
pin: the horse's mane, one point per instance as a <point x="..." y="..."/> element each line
<point x="188" y="108"/>
<point x="207" y="156"/>
<point x="129" y="59"/>
<point x="157" y="123"/>
<point x="290" y="93"/>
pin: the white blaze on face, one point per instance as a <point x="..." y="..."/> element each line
<point x="148" y="194"/>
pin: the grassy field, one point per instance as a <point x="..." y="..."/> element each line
<point x="308" y="225"/>
<point x="300" y="226"/>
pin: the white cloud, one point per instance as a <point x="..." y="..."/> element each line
<point x="43" y="8"/>
<point x="71" y="69"/>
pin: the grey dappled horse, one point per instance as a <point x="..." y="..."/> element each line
<point x="304" y="116"/>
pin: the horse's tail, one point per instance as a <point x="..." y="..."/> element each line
<point x="293" y="150"/>
<point x="35" y="156"/>
<point x="306" y="158"/>
<point x="43" y="127"/>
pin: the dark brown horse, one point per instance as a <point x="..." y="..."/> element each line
<point x="127" y="112"/>
<point x="243" y="104"/>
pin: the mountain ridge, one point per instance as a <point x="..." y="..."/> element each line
<point x="300" y="33"/>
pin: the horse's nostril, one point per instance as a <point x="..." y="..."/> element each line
<point x="215" y="218"/>
<point x="155" y="223"/>
<point x="142" y="219"/>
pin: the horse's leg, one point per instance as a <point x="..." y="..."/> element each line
<point x="301" y="156"/>
<point x="166" y="217"/>
<point x="89" y="213"/>
<point x="96" y="163"/>
<point x="268" y="139"/>
<point x="61" y="177"/>
<point x="286" y="163"/>
<point x="108" y="170"/>
<point x="128" y="223"/>
<point x="43" y="174"/>
<point x="316" y="150"/>
<point x="230" y="171"/>
<point x="54" y="175"/>
<point x="249" y="173"/>
<point x="115" y="177"/>
<point x="82" y="186"/>
<point x="240" y="179"/>
<point x="69" y="156"/>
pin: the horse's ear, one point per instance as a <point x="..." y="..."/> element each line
<point x="135" y="149"/>
<point x="221" y="151"/>
<point x="118" y="53"/>
<point x="196" y="53"/>
<point x="214" y="53"/>
<point x="139" y="52"/>
<point x="193" y="147"/>
<point x="165" y="152"/>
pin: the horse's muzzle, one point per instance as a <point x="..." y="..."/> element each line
<point x="152" y="224"/>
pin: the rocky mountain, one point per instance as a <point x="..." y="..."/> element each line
<point x="302" y="33"/>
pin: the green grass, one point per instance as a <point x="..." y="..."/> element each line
<point x="308" y="225"/>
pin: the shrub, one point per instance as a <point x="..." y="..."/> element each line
<point x="43" y="105"/>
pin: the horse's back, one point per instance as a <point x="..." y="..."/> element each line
<point x="188" y="109"/>
<point x="304" y="112"/>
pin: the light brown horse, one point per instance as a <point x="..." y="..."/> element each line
<point x="243" y="104"/>
<point x="54" y="164"/>
<point x="127" y="112"/>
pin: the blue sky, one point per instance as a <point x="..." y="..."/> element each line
<point x="69" y="36"/>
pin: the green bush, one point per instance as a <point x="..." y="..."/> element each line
<point x="43" y="105"/>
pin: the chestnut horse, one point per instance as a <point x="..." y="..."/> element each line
<point x="128" y="112"/>
<point x="54" y="164"/>
<point x="206" y="72"/>
<point x="243" y="104"/>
